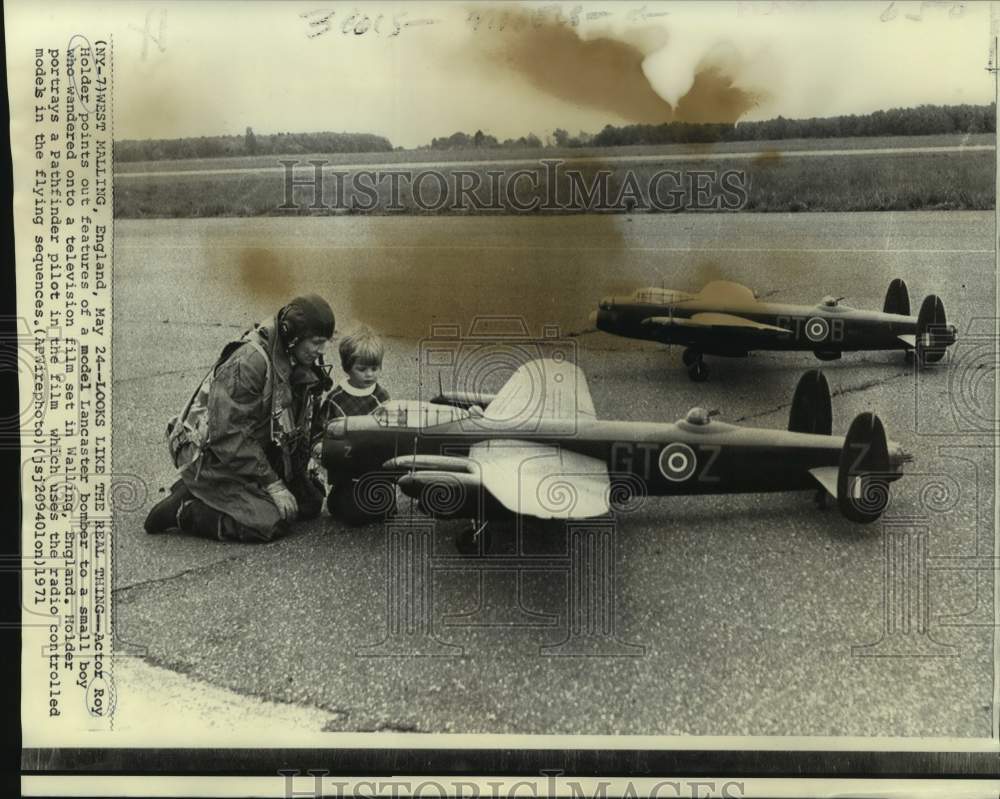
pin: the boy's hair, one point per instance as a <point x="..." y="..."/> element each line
<point x="362" y="345"/>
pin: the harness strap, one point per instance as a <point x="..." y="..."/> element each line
<point x="253" y="342"/>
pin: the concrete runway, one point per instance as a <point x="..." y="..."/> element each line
<point x="733" y="616"/>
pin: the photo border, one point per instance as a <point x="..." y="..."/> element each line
<point x="902" y="758"/>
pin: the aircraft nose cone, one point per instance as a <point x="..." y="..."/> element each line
<point x="334" y="451"/>
<point x="337" y="428"/>
<point x="410" y="485"/>
<point x="603" y="319"/>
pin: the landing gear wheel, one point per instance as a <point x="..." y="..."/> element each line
<point x="908" y="356"/>
<point x="377" y="502"/>
<point x="337" y="499"/>
<point x="698" y="371"/>
<point x="690" y="357"/>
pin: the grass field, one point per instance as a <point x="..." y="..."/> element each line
<point x="771" y="182"/>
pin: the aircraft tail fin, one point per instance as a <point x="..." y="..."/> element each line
<point x="934" y="334"/>
<point x="812" y="410"/>
<point x="863" y="475"/>
<point x="897" y="298"/>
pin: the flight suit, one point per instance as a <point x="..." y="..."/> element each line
<point x="259" y="418"/>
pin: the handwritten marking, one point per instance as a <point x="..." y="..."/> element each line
<point x="519" y="19"/>
<point x="641" y="14"/>
<point x="160" y="39"/>
<point x="357" y="23"/>
<point x="323" y="20"/>
<point x="955" y="8"/>
<point x="84" y="45"/>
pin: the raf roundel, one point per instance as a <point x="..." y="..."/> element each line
<point x="678" y="462"/>
<point x="817" y="329"/>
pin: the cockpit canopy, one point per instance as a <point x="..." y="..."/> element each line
<point x="658" y="296"/>
<point x="416" y="414"/>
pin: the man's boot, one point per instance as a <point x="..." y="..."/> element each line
<point x="163" y="516"/>
<point x="198" y="519"/>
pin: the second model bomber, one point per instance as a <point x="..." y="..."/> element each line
<point x="729" y="319"/>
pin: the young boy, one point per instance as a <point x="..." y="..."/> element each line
<point x="358" y="394"/>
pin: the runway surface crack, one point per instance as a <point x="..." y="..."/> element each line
<point x="183" y="573"/>
<point x="839" y="392"/>
<point x="870" y="384"/>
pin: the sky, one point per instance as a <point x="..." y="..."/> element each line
<point x="191" y="69"/>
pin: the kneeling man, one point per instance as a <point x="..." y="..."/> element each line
<point x="241" y="444"/>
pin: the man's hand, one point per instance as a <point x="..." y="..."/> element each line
<point x="284" y="499"/>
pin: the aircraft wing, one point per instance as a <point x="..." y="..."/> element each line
<point x="542" y="480"/>
<point x="710" y="319"/>
<point x="543" y="388"/>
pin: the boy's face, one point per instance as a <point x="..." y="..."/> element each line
<point x="309" y="349"/>
<point x="363" y="375"/>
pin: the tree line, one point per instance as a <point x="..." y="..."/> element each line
<point x="249" y="143"/>
<point x="465" y="141"/>
<point x="918" y="121"/>
<point x="921" y="120"/>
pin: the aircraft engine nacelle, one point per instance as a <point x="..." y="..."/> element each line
<point x="450" y="495"/>
<point x="464" y="399"/>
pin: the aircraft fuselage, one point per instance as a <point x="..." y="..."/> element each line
<point x="668" y="459"/>
<point x="814" y="328"/>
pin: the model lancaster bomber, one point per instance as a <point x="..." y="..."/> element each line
<point x="537" y="449"/>
<point x="728" y="319"/>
